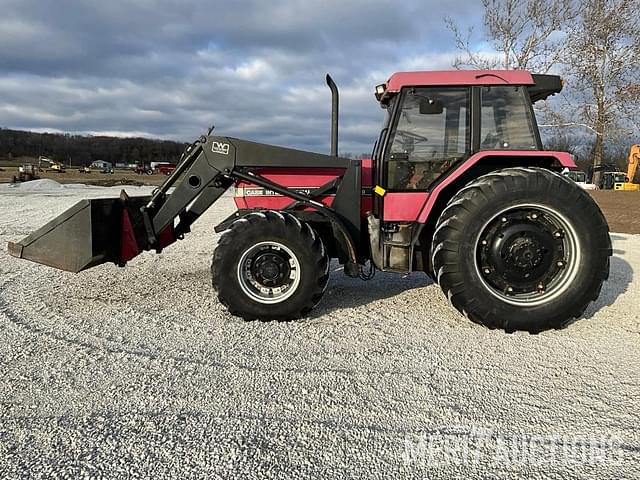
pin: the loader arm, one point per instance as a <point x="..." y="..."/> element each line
<point x="116" y="230"/>
<point x="215" y="163"/>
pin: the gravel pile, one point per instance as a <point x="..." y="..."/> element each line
<point x="40" y="185"/>
<point x="140" y="372"/>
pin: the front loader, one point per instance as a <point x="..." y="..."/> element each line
<point x="458" y="187"/>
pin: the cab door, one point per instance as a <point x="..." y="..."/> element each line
<point x="430" y="132"/>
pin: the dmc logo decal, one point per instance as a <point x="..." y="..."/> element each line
<point x="218" y="147"/>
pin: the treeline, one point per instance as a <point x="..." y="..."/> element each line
<point x="82" y="150"/>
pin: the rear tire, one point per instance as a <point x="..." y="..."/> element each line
<point x="521" y="249"/>
<point x="270" y="266"/>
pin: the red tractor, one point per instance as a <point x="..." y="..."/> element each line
<point x="458" y="187"/>
<point x="143" y="168"/>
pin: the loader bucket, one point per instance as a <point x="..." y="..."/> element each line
<point x="90" y="233"/>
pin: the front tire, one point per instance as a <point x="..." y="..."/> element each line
<point x="270" y="266"/>
<point x="521" y="249"/>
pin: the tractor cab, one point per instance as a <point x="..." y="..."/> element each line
<point x="431" y="127"/>
<point x="438" y="123"/>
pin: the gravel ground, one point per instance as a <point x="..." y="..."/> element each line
<point x="140" y="372"/>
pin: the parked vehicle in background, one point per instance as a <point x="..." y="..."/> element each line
<point x="26" y="172"/>
<point x="102" y="166"/>
<point x="84" y="169"/>
<point x="629" y="184"/>
<point x="143" y="168"/>
<point x="48" y="165"/>
<point x="579" y="177"/>
<point x="156" y="165"/>
<point x="57" y="167"/>
<point x="166" y="169"/>
<point x="609" y="180"/>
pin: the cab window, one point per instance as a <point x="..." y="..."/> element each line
<point x="431" y="134"/>
<point x="506" y="121"/>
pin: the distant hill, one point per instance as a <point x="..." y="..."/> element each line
<point x="75" y="150"/>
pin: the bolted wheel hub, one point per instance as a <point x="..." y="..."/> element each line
<point x="523" y="252"/>
<point x="269" y="272"/>
<point x="271" y="269"/>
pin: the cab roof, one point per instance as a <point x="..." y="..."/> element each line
<point x="459" y="77"/>
<point x="549" y="84"/>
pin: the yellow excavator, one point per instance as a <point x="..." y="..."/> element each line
<point x="629" y="185"/>
<point x="50" y="165"/>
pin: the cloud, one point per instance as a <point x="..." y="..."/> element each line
<point x="170" y="68"/>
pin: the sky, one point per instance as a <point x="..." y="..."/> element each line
<point x="253" y="68"/>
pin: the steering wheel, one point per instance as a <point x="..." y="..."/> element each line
<point x="416" y="137"/>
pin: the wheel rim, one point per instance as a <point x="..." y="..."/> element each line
<point x="527" y="255"/>
<point x="268" y="272"/>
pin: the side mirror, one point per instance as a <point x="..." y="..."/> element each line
<point x="430" y="106"/>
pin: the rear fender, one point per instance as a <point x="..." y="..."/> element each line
<point x="477" y="165"/>
<point x="482" y="163"/>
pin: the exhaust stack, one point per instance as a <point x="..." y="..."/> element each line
<point x="334" y="115"/>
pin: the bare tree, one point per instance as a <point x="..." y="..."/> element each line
<point x="594" y="42"/>
<point x="601" y="69"/>
<point x="525" y="34"/>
